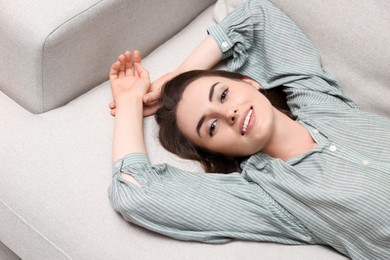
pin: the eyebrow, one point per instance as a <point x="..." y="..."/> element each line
<point x="203" y="118"/>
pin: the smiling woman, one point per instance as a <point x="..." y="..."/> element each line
<point x="305" y="165"/>
<point x="208" y="116"/>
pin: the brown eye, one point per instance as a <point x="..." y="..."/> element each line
<point x="224" y="95"/>
<point x="212" y="128"/>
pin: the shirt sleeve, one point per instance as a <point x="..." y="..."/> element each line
<point x="211" y="208"/>
<point x="265" y="44"/>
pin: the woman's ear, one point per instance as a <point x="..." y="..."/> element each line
<point x="252" y="82"/>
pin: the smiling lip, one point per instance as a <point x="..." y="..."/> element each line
<point x="250" y="123"/>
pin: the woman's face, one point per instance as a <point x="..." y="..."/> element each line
<point x="225" y="116"/>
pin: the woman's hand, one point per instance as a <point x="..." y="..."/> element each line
<point x="205" y="56"/>
<point x="128" y="79"/>
<point x="151" y="98"/>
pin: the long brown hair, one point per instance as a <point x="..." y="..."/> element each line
<point x="173" y="140"/>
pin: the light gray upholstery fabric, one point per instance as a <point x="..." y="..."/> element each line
<point x="353" y="38"/>
<point x="6" y="253"/>
<point x="55" y="167"/>
<point x="52" y="52"/>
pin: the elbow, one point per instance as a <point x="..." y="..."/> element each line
<point x="127" y="201"/>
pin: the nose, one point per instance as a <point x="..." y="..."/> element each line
<point x="232" y="115"/>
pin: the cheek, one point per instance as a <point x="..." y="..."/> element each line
<point x="263" y="128"/>
<point x="225" y="139"/>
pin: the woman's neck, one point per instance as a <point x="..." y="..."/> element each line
<point x="289" y="138"/>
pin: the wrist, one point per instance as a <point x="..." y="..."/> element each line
<point x="131" y="101"/>
<point x="129" y="97"/>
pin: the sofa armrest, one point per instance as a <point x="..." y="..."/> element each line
<point x="52" y="52"/>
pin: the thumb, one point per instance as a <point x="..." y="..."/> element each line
<point x="151" y="97"/>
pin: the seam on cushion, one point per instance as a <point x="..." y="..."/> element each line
<point x="34" y="229"/>
<point x="50" y="34"/>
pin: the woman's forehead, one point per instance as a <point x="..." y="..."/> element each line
<point x="195" y="93"/>
<point x="194" y="102"/>
<point x="204" y="81"/>
<point x="200" y="90"/>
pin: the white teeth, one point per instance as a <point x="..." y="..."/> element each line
<point x="246" y="122"/>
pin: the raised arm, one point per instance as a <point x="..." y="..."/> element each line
<point x="262" y="42"/>
<point x="129" y="83"/>
<point x="205" y="56"/>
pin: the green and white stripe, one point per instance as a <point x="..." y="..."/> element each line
<point x="337" y="194"/>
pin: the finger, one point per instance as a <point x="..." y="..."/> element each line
<point x="112" y="105"/>
<point x="128" y="64"/>
<point x="150" y="110"/>
<point x="112" y="112"/>
<point x="121" y="59"/>
<point x="142" y="73"/>
<point x="151" y="97"/>
<point x="114" y="70"/>
<point x="137" y="60"/>
<point x="137" y="56"/>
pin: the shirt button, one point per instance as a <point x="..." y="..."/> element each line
<point x="316" y="131"/>
<point x="333" y="148"/>
<point x="225" y="44"/>
<point x="366" y="162"/>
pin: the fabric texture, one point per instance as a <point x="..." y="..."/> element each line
<point x="349" y="37"/>
<point x="223" y="7"/>
<point x="352" y="45"/>
<point x="55" y="167"/>
<point x="55" y="170"/>
<point x="336" y="194"/>
<point x="48" y="39"/>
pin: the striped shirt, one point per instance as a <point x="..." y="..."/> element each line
<point x="337" y="194"/>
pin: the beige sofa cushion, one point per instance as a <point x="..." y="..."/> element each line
<point x="54" y="51"/>
<point x="353" y="38"/>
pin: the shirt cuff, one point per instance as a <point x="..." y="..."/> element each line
<point x="222" y="39"/>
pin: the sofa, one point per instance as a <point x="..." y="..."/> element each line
<point x="56" y="130"/>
